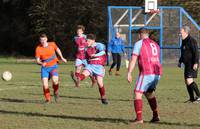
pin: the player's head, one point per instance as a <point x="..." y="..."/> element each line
<point x="91" y="39"/>
<point x="185" y="31"/>
<point x="143" y="33"/>
<point x="80" y="30"/>
<point x="117" y="34"/>
<point x="43" y="38"/>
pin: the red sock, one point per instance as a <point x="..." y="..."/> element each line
<point x="47" y="94"/>
<point x="77" y="74"/>
<point x="138" y="108"/>
<point x="102" y="91"/>
<point x="55" y="88"/>
<point x="81" y="77"/>
<point x="153" y="105"/>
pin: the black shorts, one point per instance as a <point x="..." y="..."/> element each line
<point x="189" y="72"/>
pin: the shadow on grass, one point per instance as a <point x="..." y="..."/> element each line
<point x="90" y="98"/>
<point x="84" y="98"/>
<point x="111" y="120"/>
<point x="20" y="100"/>
<point x="178" y="124"/>
<point x="24" y="85"/>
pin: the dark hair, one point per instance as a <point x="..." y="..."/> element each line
<point x="143" y="30"/>
<point x="91" y="36"/>
<point x="80" y="27"/>
<point x="43" y="35"/>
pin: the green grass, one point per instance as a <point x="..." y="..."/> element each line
<point x="21" y="101"/>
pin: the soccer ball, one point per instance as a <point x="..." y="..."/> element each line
<point x="6" y="76"/>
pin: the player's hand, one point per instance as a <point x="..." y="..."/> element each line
<point x="64" y="60"/>
<point x="93" y="55"/>
<point x="129" y="78"/>
<point x="125" y="55"/>
<point x="195" y="67"/>
<point x="179" y="65"/>
<point x="44" y="64"/>
<point x="109" y="53"/>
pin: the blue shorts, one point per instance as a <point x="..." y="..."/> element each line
<point x="146" y="83"/>
<point x="96" y="70"/>
<point x="80" y="62"/>
<point x="48" y="72"/>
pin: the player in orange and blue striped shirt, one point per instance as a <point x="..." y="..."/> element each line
<point x="46" y="57"/>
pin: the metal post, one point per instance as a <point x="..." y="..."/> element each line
<point x="180" y="26"/>
<point x="161" y="34"/>
<point x="130" y="32"/>
<point x="109" y="30"/>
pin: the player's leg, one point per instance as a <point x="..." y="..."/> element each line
<point x="138" y="100"/>
<point x="46" y="89"/>
<point x="114" y="56"/>
<point x="78" y="69"/>
<point x="193" y="74"/>
<point x="190" y="74"/>
<point x="93" y="79"/>
<point x="192" y="86"/>
<point x="45" y="78"/>
<point x="102" y="89"/>
<point x="188" y="81"/>
<point x="80" y="77"/>
<point x="118" y="64"/>
<point x="196" y="90"/>
<point x="138" y="107"/>
<point x="55" y="84"/>
<point x="78" y="66"/>
<point x="152" y="81"/>
<point x="55" y="81"/>
<point x="153" y="104"/>
<point x="84" y="74"/>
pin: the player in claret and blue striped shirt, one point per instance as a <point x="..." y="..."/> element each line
<point x="96" y="57"/>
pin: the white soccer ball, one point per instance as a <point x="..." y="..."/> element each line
<point x="7" y="76"/>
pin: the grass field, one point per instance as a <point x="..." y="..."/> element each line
<point x="21" y="101"/>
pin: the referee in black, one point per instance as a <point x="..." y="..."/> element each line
<point x="190" y="59"/>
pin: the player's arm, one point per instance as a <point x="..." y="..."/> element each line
<point x="181" y="57"/>
<point x="60" y="55"/>
<point x="39" y="62"/>
<point x="110" y="47"/>
<point x="37" y="57"/>
<point x="195" y="52"/>
<point x="135" y="54"/>
<point x="101" y="49"/>
<point x="131" y="66"/>
<point x="101" y="53"/>
<point x="123" y="47"/>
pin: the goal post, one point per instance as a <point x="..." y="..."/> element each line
<point x="165" y="24"/>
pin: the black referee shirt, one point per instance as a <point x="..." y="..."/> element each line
<point x="189" y="51"/>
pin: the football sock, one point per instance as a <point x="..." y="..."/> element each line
<point x="47" y="94"/>
<point x="190" y="92"/>
<point x="153" y="105"/>
<point x="81" y="77"/>
<point x="195" y="88"/>
<point x="77" y="74"/>
<point x="55" y="88"/>
<point x="138" y="108"/>
<point x="102" y="91"/>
